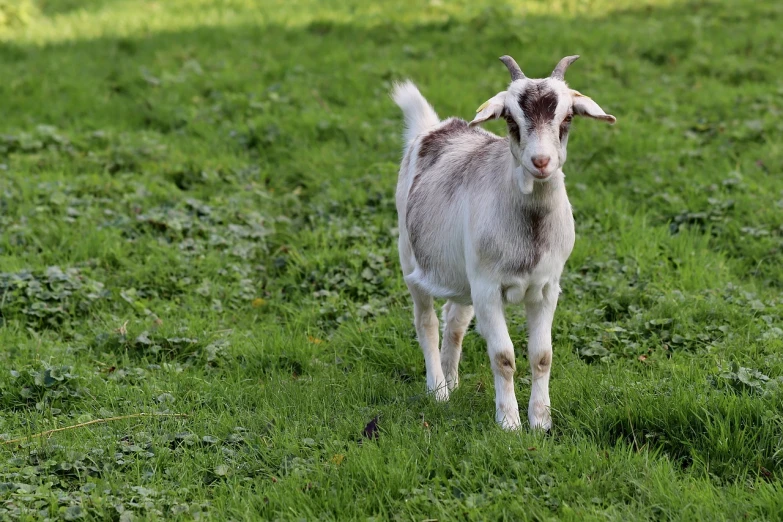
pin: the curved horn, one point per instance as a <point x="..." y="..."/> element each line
<point x="562" y="65"/>
<point x="513" y="68"/>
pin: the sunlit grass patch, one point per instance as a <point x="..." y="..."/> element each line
<point x="26" y="21"/>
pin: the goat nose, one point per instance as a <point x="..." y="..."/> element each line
<point x="540" y="161"/>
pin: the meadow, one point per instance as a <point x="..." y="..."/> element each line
<point x="197" y="223"/>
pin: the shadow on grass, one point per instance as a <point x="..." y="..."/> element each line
<point x="723" y="434"/>
<point x="59" y="7"/>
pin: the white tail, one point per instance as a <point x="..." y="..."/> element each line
<point x="419" y="115"/>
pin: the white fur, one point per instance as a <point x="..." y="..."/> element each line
<point x="455" y="232"/>
<point x="419" y="115"/>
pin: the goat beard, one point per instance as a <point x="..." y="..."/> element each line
<point x="524" y="179"/>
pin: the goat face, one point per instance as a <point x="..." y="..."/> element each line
<point x="539" y="113"/>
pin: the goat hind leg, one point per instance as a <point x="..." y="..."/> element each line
<point x="456" y="319"/>
<point x="426" y="321"/>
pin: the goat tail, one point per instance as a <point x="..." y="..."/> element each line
<point x="419" y="115"/>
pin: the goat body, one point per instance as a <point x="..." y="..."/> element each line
<point x="481" y="230"/>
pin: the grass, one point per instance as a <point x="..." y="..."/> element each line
<point x="197" y="217"/>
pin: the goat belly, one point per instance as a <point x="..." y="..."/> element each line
<point x="430" y="283"/>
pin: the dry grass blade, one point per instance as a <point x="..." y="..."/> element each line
<point x="94" y="421"/>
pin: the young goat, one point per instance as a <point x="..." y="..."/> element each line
<point x="486" y="221"/>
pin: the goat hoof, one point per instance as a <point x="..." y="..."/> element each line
<point x="452" y="383"/>
<point x="544" y="425"/>
<point x="441" y="394"/>
<point x="508" y="421"/>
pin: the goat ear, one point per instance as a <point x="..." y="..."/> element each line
<point x="490" y="109"/>
<point x="585" y="106"/>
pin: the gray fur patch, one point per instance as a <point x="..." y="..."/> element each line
<point x="513" y="128"/>
<point x="449" y="183"/>
<point x="518" y="247"/>
<point x="538" y="104"/>
<point x="528" y="249"/>
<point x="434" y="143"/>
<point x="469" y="164"/>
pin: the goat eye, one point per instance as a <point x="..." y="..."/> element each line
<point x="568" y="119"/>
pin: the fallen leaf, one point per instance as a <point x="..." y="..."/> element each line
<point x="314" y="340"/>
<point x="371" y="431"/>
<point x="258" y="302"/>
<point x="338" y="459"/>
<point x="642" y="358"/>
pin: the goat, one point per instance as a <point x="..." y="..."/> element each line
<point x="485" y="221"/>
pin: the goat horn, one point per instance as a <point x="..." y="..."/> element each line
<point x="513" y="68"/>
<point x="562" y="65"/>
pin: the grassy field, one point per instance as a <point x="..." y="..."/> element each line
<point x="197" y="217"/>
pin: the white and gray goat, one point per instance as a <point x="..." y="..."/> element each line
<point x="485" y="221"/>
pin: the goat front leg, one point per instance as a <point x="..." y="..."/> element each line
<point x="539" y="348"/>
<point x="491" y="322"/>
<point x="426" y="321"/>
<point x="456" y="318"/>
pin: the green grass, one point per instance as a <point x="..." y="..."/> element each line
<point x="213" y="181"/>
